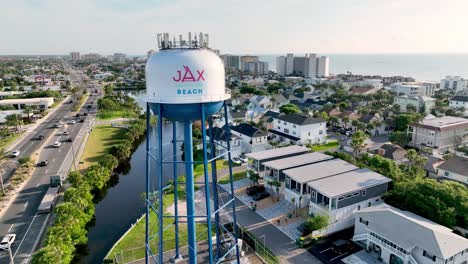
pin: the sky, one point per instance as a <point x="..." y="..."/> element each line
<point x="235" y="26"/>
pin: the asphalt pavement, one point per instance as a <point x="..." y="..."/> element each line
<point x="21" y="217"/>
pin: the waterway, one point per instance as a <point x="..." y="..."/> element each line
<point x="122" y="203"/>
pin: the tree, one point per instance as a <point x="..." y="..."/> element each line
<point x="254" y="177"/>
<point x="318" y="222"/>
<point x="108" y="89"/>
<point x="345" y="120"/>
<point x="109" y="161"/>
<point x="358" y="140"/>
<point x="290" y="109"/>
<point x="411" y="108"/>
<point x="400" y="138"/>
<point x="3" y="157"/>
<point x="28" y="110"/>
<point x="75" y="178"/>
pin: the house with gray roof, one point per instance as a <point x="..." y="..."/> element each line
<point x="455" y="169"/>
<point x="220" y="139"/>
<point x="398" y="236"/>
<point x="252" y="138"/>
<point x="298" y="129"/>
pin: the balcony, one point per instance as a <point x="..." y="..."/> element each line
<point x="383" y="243"/>
<point x="318" y="208"/>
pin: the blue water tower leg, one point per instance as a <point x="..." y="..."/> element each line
<point x="160" y="187"/>
<point x="177" y="256"/>
<point x="190" y="190"/>
<point x="148" y="130"/>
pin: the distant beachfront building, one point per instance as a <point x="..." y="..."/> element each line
<point x="231" y="61"/>
<point x="454" y="83"/>
<point x="74" y="56"/>
<point x="120" y="58"/>
<point x="323" y="66"/>
<point x="414" y="88"/>
<point x="308" y="66"/>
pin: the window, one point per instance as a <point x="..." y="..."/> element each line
<point x="363" y="192"/>
<point x="358" y="207"/>
<point x="429" y="255"/>
<point x="312" y="194"/>
<point x="320" y="132"/>
<point x="340" y="198"/>
<point x="284" y="122"/>
<point x="279" y="127"/>
<point x="363" y="221"/>
<point x="369" y="204"/>
<point x="356" y="194"/>
<point x="294" y="126"/>
<point x="286" y="130"/>
<point x="447" y="174"/>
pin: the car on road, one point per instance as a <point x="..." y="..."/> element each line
<point x="65" y="132"/>
<point x="253" y="190"/>
<point x="57" y="144"/>
<point x="40" y="137"/>
<point x="260" y="196"/>
<point x="43" y="163"/>
<point x="82" y="120"/>
<point x="77" y="115"/>
<point x="72" y="122"/>
<point x="57" y="125"/>
<point x="69" y="139"/>
<point x="236" y="161"/>
<point x="15" y="153"/>
<point x="85" y="114"/>
<point x="242" y="158"/>
<point x="7" y="241"/>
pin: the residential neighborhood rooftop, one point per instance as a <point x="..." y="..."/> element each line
<point x="348" y="182"/>
<point x="319" y="170"/>
<point x="444" y="123"/>
<point x="277" y="152"/>
<point x="295" y="161"/>
<point x="411" y="230"/>
<point x="300" y="119"/>
<point x="249" y="130"/>
<point x="456" y="164"/>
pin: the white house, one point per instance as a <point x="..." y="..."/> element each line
<point x="398" y="236"/>
<point x="459" y="102"/>
<point x="252" y="138"/>
<point x="299" y="129"/>
<point x="418" y="101"/>
<point x="454" y="83"/>
<point x="220" y="140"/>
<point x="455" y="168"/>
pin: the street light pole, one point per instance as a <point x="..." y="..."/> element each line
<point x="11" y="255"/>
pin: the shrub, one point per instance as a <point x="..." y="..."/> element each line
<point x="24" y="160"/>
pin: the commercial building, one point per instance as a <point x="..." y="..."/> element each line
<point x="256" y="159"/>
<point x="5" y="113"/>
<point x="244" y="60"/>
<point x="41" y="103"/>
<point x="396" y="236"/>
<point x="419" y="102"/>
<point x="454" y="83"/>
<point x="231" y="61"/>
<point x="75" y="56"/>
<point x="119" y="58"/>
<point x="6" y="94"/>
<point x="298" y="129"/>
<point x="439" y="134"/>
<point x="414" y="88"/>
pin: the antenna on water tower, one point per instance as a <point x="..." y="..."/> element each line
<point x="185" y="82"/>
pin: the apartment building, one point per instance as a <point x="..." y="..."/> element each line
<point x="439" y="134"/>
<point x="298" y="129"/>
<point x="396" y="236"/>
<point x="454" y="83"/>
<point x="459" y="102"/>
<point x="414" y="88"/>
<point x="323" y="66"/>
<point x="231" y="61"/>
<point x="420" y="102"/>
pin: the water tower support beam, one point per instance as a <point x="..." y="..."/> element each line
<point x="160" y="185"/>
<point x="148" y="127"/>
<point x="228" y="144"/>
<point x="207" y="183"/>
<point x="215" y="187"/>
<point x="190" y="190"/>
<point x="176" y="189"/>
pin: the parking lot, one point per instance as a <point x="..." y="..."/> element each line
<point x="332" y="249"/>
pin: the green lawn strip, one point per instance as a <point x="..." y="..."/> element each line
<point x="235" y="177"/>
<point x="329" y="145"/>
<point x="4" y="142"/>
<point x="108" y="115"/>
<point x="102" y="138"/>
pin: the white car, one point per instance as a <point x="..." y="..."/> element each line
<point x="242" y="158"/>
<point x="15" y="153"/>
<point x="236" y="161"/>
<point x="72" y="122"/>
<point x="57" y="144"/>
<point x="7" y="241"/>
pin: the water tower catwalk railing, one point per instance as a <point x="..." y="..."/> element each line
<point x="225" y="244"/>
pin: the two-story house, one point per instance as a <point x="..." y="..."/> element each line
<point x="298" y="129"/>
<point x="256" y="159"/>
<point x="220" y="140"/>
<point x="455" y="169"/>
<point x="419" y="102"/>
<point x="398" y="236"/>
<point x="459" y="102"/>
<point x="439" y="134"/>
<point x="252" y="138"/>
<point x="274" y="170"/>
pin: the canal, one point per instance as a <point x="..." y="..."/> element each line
<point x="122" y="203"/>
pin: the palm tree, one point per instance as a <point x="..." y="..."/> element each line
<point x="3" y="157"/>
<point x="345" y="120"/>
<point x="28" y="110"/>
<point x="358" y="140"/>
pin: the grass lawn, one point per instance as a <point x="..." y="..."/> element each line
<point x="327" y="146"/>
<point x="236" y="176"/>
<point x="131" y="247"/>
<point x="100" y="140"/>
<point x="4" y="142"/>
<point x="107" y="115"/>
<point x="81" y="102"/>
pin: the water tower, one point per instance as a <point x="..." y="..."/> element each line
<point x="185" y="82"/>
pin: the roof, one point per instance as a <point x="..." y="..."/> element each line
<point x="219" y="134"/>
<point x="456" y="164"/>
<point x="409" y="230"/>
<point x="294" y="161"/>
<point x="319" y="170"/>
<point x="277" y="152"/>
<point x="432" y="163"/>
<point x="249" y="130"/>
<point x="392" y="151"/>
<point x="459" y="98"/>
<point x="48" y="100"/>
<point x="444" y="123"/>
<point x="279" y="133"/>
<point x="299" y="119"/>
<point x="347" y="182"/>
<point x="237" y="114"/>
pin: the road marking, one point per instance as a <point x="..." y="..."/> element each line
<point x="37" y="185"/>
<point x="338" y="256"/>
<point x="26" y="204"/>
<point x="38" y="237"/>
<point x="25" y="234"/>
<point x="326" y="250"/>
<point x="11" y="227"/>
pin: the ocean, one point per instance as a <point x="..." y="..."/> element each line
<point x="422" y="67"/>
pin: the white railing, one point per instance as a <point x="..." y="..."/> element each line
<point x="361" y="237"/>
<point x="391" y="249"/>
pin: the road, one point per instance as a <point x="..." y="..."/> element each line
<point x="21" y="217"/>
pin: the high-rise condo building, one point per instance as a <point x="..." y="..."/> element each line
<point x="231" y="61"/>
<point x="74" y="56"/>
<point x="323" y="66"/>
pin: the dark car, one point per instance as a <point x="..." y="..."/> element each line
<point x="77" y="114"/>
<point x="255" y="189"/>
<point x="85" y="114"/>
<point x="40" y="137"/>
<point x="43" y="163"/>
<point x="261" y="196"/>
<point x="81" y="120"/>
<point x="69" y="139"/>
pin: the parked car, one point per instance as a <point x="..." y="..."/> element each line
<point x="15" y="153"/>
<point x="261" y="196"/>
<point x="7" y="241"/>
<point x="43" y="163"/>
<point x="85" y="114"/>
<point x="72" y="122"/>
<point x="57" y="144"/>
<point x="77" y="115"/>
<point x="255" y="189"/>
<point x="305" y="229"/>
<point x="242" y="158"/>
<point x="236" y="161"/>
<point x="65" y="132"/>
<point x="69" y="139"/>
<point x="57" y="125"/>
<point x="82" y="120"/>
<point x="40" y="137"/>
